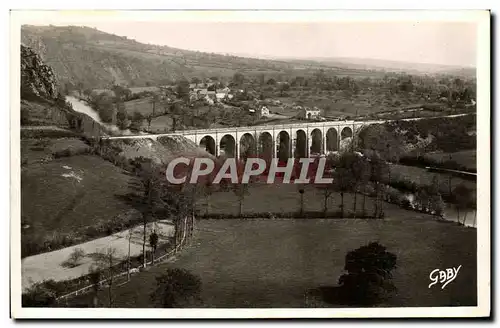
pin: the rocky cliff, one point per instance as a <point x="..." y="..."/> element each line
<point x="37" y="79"/>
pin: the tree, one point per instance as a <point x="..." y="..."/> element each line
<point x="176" y="288"/>
<point x="40" y="295"/>
<point x="106" y="112"/>
<point x="261" y="79"/>
<point x="150" y="184"/>
<point x="327" y="190"/>
<point x="301" y="192"/>
<point x="435" y="201"/>
<point x="240" y="190"/>
<point x="379" y="139"/>
<point x="271" y="81"/>
<point x="153" y="242"/>
<point x="343" y="177"/>
<point x="462" y="198"/>
<point x="360" y="168"/>
<point x="122" y="120"/>
<point x="369" y="275"/>
<point x="95" y="279"/>
<point x="87" y="93"/>
<point x="182" y="90"/>
<point x="155" y="198"/>
<point x="284" y="87"/>
<point x="106" y="260"/>
<point x="75" y="257"/>
<point x="137" y="120"/>
<point x="238" y="78"/>
<point x="155" y="98"/>
<point x="121" y="93"/>
<point x="68" y="88"/>
<point x="379" y="171"/>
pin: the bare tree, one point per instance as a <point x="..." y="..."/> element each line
<point x="240" y="190"/>
<point x="153" y="242"/>
<point x="361" y="175"/>
<point x="106" y="260"/>
<point x="462" y="196"/>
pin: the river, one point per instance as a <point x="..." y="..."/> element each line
<point x="82" y="107"/>
<point x="451" y="214"/>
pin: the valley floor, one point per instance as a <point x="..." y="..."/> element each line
<point x="274" y="263"/>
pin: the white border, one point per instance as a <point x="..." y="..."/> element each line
<point x="483" y="150"/>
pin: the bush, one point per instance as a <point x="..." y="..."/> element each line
<point x="368" y="278"/>
<point x="39" y="295"/>
<point x="176" y="288"/>
<point x="75" y="257"/>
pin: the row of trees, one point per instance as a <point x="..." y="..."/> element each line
<point x="357" y="174"/>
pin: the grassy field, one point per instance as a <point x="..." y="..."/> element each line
<point x="423" y="177"/>
<point x="35" y="150"/>
<point x="273" y="263"/>
<point x="265" y="198"/>
<point x="143" y="106"/>
<point x="68" y="194"/>
<point x="466" y="158"/>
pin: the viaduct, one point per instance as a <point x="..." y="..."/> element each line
<point x="277" y="141"/>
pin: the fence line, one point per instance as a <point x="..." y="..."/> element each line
<point x="157" y="260"/>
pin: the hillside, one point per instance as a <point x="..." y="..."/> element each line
<point x="98" y="59"/>
<point x="71" y="190"/>
<point x="95" y="59"/>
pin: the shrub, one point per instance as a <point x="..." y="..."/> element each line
<point x="75" y="257"/>
<point x="176" y="288"/>
<point x="368" y="278"/>
<point x="39" y="295"/>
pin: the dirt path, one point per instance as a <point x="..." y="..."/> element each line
<point x="49" y="265"/>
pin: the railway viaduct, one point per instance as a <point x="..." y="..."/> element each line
<point x="277" y="141"/>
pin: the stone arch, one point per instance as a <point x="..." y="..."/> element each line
<point x="332" y="140"/>
<point x="346" y="133"/>
<point x="265" y="146"/>
<point x="300" y="144"/>
<point x="316" y="142"/>
<point x="228" y="146"/>
<point x="283" y="146"/>
<point x="208" y="143"/>
<point x="248" y="146"/>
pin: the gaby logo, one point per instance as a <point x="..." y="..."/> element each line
<point x="443" y="276"/>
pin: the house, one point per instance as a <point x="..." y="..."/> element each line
<point x="209" y="100"/>
<point x="264" y="111"/>
<point x="310" y="113"/>
<point x="220" y="96"/>
<point x="212" y="95"/>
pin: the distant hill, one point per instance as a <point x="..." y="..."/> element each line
<point x="391" y="66"/>
<point x="98" y="59"/>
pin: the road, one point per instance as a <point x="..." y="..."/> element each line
<point x="49" y="265"/>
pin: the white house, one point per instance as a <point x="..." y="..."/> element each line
<point x="310" y="113"/>
<point x="264" y="111"/>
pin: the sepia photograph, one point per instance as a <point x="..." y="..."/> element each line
<point x="250" y="164"/>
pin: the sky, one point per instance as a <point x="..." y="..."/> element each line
<point x="448" y="43"/>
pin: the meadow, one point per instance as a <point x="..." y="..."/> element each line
<point x="65" y="197"/>
<point x="275" y="263"/>
<point x="466" y="158"/>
